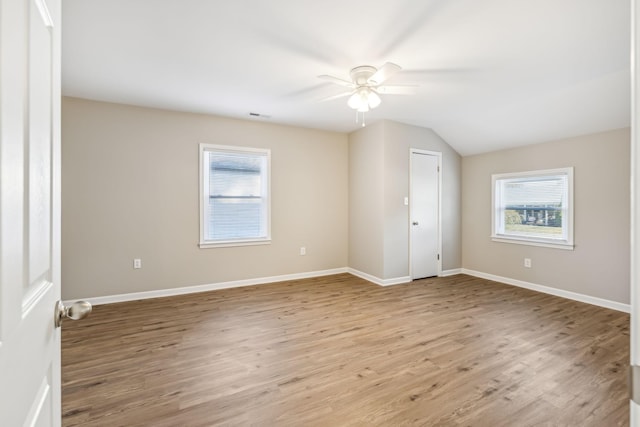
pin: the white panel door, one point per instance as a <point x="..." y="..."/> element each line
<point x="424" y="214"/>
<point x="29" y="212"/>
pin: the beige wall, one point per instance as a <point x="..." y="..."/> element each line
<point x="599" y="265"/>
<point x="366" y="200"/>
<point x="130" y="190"/>
<point x="379" y="182"/>
<point x="399" y="139"/>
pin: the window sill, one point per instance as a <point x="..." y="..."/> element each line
<point x="233" y="243"/>
<point x="533" y="242"/>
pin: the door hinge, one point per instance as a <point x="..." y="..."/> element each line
<point x="438" y="257"/>
<point x="438" y="168"/>
<point x="634" y="383"/>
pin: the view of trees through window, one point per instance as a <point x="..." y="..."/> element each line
<point x="545" y="221"/>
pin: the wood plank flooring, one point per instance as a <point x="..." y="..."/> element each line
<point x="340" y="351"/>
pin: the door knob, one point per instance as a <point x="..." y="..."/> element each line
<point x="76" y="311"/>
<point x="415" y="222"/>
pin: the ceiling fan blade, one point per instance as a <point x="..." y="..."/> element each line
<point x="336" y="80"/>
<point x="383" y="73"/>
<point x="338" y="96"/>
<point x="432" y="72"/>
<point x="397" y="90"/>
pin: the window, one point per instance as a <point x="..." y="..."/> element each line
<point x="533" y="208"/>
<point x="234" y="196"/>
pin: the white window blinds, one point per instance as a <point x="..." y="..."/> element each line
<point x="235" y="196"/>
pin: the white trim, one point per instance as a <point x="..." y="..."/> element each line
<point x="438" y="156"/>
<point x="613" y="305"/>
<point x="203" y="188"/>
<point x="378" y="281"/>
<point x="634" y="408"/>
<point x="532" y="242"/>
<point x="109" y="299"/>
<point x="373" y="279"/>
<point x="452" y="272"/>
<point x="635" y="187"/>
<point x="234" y="243"/>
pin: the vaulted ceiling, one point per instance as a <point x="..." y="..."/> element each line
<point x="490" y="74"/>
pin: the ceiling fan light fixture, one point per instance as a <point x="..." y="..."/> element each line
<point x="374" y="99"/>
<point x="363" y="100"/>
<point x="355" y="101"/>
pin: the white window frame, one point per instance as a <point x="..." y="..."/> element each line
<point x="204" y="194"/>
<point x="497" y="217"/>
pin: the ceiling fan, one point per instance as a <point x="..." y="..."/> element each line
<point x="366" y="85"/>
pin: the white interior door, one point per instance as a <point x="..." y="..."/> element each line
<point x="424" y="213"/>
<point x="29" y="212"/>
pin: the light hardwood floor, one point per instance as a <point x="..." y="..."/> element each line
<point x="339" y="351"/>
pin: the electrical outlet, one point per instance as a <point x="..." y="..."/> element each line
<point x="527" y="262"/>
<point x="303" y="250"/>
<point x="137" y="263"/>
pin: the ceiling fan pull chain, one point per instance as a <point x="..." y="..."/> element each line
<point x="358" y="118"/>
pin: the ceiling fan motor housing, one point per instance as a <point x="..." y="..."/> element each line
<point x="361" y="75"/>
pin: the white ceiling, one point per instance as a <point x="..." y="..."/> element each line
<point x="491" y="73"/>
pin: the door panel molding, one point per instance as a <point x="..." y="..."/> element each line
<point x="30" y="190"/>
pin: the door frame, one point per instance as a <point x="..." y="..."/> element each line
<point x="634" y="407"/>
<point x="438" y="156"/>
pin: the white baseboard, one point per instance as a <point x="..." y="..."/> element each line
<point x="626" y="308"/>
<point x="452" y="272"/>
<point x="397" y="280"/>
<point x="378" y="281"/>
<point x="209" y="287"/>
